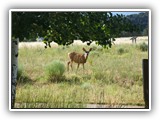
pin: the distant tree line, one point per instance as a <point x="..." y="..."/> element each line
<point x="140" y="23"/>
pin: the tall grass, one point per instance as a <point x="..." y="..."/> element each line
<point x="111" y="76"/>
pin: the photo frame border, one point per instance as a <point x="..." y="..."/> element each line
<point x="81" y="10"/>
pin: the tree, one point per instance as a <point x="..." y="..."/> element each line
<point x="64" y="27"/>
<point x="140" y="22"/>
<point x="14" y="69"/>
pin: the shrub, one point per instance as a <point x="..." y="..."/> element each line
<point x="143" y="47"/>
<point x="120" y="51"/>
<point x="54" y="71"/>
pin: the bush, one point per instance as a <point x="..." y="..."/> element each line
<point x="120" y="51"/>
<point x="54" y="71"/>
<point x="143" y="47"/>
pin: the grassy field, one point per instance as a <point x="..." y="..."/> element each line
<point x="111" y="77"/>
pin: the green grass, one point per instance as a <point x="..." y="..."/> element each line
<point x="111" y="76"/>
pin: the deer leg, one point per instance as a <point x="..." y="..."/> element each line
<point x="83" y="66"/>
<point x="77" y="66"/>
<point x="71" y="65"/>
<point x="68" y="65"/>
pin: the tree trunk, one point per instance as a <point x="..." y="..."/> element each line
<point x="14" y="69"/>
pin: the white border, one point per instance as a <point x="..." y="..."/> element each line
<point x="150" y="59"/>
<point x="78" y="10"/>
<point x="10" y="59"/>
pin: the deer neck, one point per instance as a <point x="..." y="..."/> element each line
<point x="85" y="56"/>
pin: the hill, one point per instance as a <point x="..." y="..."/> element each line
<point x="141" y="20"/>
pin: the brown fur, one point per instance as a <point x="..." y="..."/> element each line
<point x="78" y="58"/>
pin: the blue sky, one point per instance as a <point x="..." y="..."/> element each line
<point x="125" y="13"/>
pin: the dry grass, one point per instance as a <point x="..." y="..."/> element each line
<point x="111" y="78"/>
<point x="122" y="40"/>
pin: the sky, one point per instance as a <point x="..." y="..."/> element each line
<point x="125" y="13"/>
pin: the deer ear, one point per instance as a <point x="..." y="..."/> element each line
<point x="84" y="49"/>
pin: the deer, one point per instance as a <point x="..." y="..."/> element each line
<point x="134" y="39"/>
<point x="78" y="58"/>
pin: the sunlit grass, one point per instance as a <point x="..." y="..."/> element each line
<point x="111" y="76"/>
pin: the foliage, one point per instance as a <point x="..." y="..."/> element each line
<point x="64" y="27"/>
<point x="120" y="51"/>
<point x="54" y="71"/>
<point x="143" y="47"/>
<point x="28" y="24"/>
<point x="139" y="25"/>
<point x="141" y="21"/>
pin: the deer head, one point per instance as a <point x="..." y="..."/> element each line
<point x="86" y="53"/>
